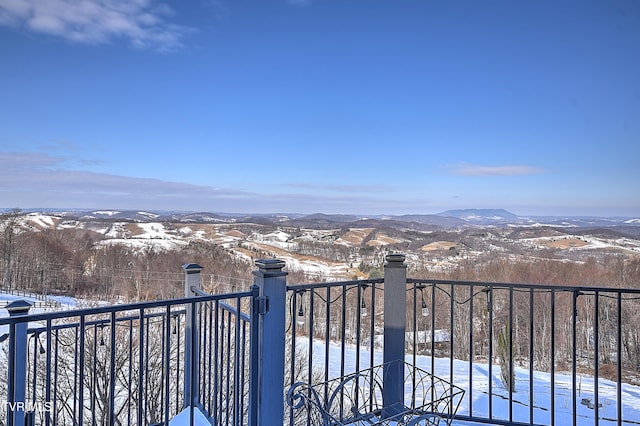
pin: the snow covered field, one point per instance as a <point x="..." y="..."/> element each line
<point x="474" y="379"/>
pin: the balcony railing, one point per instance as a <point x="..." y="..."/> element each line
<point x="136" y="364"/>
<point x="384" y="351"/>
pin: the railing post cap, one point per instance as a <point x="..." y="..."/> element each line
<point x="395" y="258"/>
<point x="18" y="307"/>
<point x="192" y="268"/>
<point x="270" y="264"/>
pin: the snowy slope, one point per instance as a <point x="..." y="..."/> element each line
<point x="476" y="376"/>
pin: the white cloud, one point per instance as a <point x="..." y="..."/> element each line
<point x="30" y="179"/>
<point x="475" y="170"/>
<point x="143" y="23"/>
<point x="35" y="179"/>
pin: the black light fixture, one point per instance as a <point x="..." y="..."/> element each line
<point x="363" y="305"/>
<point x="423" y="304"/>
<point x="486" y="291"/>
<point x="425" y="310"/>
<point x="300" y="309"/>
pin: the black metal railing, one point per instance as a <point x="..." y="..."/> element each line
<point x="325" y="320"/>
<point x="525" y="354"/>
<point x="128" y="364"/>
<point x="495" y="353"/>
<point x="223" y="370"/>
<point x="581" y="340"/>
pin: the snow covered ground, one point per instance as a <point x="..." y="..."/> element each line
<point x="41" y="304"/>
<point x="475" y="378"/>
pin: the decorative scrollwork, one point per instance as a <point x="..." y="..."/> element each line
<point x="301" y="396"/>
<point x="357" y="399"/>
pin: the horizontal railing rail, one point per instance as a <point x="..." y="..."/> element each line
<point x="243" y="315"/>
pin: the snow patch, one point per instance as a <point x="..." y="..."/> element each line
<point x="184" y="418"/>
<point x="153" y="230"/>
<point x="106" y="212"/>
<point x="149" y="215"/>
<point x="44" y="221"/>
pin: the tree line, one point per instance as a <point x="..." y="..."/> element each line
<point x="82" y="263"/>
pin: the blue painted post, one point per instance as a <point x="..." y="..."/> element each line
<point x="395" y="307"/>
<point x="254" y="374"/>
<point x="191" y="336"/>
<point x="267" y="385"/>
<point x="17" y="380"/>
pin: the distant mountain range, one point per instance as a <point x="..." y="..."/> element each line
<point x="481" y="215"/>
<point x="447" y="219"/>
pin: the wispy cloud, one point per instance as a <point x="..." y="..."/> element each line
<point x="12" y="163"/>
<point x="143" y="23"/>
<point x="341" y="188"/>
<point x="34" y="179"/>
<point x="43" y="180"/>
<point x="466" y="169"/>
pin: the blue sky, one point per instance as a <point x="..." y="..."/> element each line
<point x="335" y="106"/>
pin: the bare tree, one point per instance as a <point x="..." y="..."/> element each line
<point x="9" y="222"/>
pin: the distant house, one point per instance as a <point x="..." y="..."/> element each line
<point x="441" y="340"/>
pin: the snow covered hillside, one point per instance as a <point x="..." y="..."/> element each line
<point x="334" y="248"/>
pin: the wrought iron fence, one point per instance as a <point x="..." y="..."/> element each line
<point x="475" y="348"/>
<point x="492" y="339"/>
<point x="136" y="364"/>
<point x="582" y="340"/>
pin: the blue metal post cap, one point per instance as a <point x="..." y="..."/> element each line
<point x="191" y="268"/>
<point x="395" y="257"/>
<point x="270" y="263"/>
<point x="18" y="307"/>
